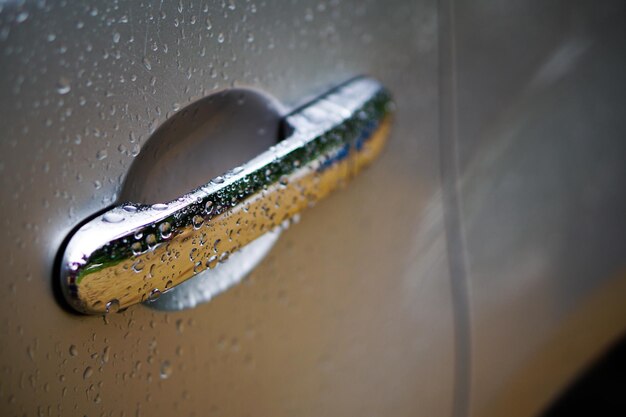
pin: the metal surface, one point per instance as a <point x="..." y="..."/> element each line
<point x="133" y="253"/>
<point x="350" y="313"/>
<point x="211" y="282"/>
<point x="533" y="127"/>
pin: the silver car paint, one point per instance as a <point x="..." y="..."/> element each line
<point x="474" y="268"/>
<point x="350" y="314"/>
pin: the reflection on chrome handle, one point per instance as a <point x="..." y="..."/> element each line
<point x="134" y="252"/>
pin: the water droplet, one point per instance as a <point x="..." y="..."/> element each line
<point x="218" y="180"/>
<point x="22" y="17"/>
<point x="136" y="248"/>
<point x="211" y="262"/>
<point x="112" y="217"/>
<point x="63" y="86"/>
<point x="220" y="38"/>
<point x="166" y="370"/>
<point x="224" y="256"/>
<point x="130" y="209"/>
<point x="159" y="206"/>
<point x="105" y="354"/>
<point x="73" y="350"/>
<point x="88" y="372"/>
<point x="209" y="207"/>
<point x="166" y="230"/>
<point x="151" y="240"/>
<point x="197" y="221"/>
<point x="138" y="266"/>
<point x="116" y="37"/>
<point x="180" y="325"/>
<point x="113" y="306"/>
<point x="101" y="154"/>
<point x="147" y="64"/>
<point x="154" y="294"/>
<point x="193" y="254"/>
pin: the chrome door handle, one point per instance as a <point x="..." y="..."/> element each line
<point x="132" y="252"/>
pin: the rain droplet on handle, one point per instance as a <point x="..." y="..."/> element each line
<point x="113" y="217"/>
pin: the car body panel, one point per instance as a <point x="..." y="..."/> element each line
<point x="351" y="313"/>
<point x="474" y="269"/>
<point x="535" y="117"/>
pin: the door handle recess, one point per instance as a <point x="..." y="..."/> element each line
<point x="133" y="253"/>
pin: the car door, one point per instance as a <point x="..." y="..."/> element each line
<point x="534" y="116"/>
<point x="351" y="311"/>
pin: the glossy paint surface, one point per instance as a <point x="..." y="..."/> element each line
<point x="350" y="313"/>
<point x="533" y="126"/>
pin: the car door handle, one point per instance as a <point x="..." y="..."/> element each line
<point x="132" y="252"/>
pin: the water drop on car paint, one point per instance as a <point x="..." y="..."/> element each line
<point x="22" y="17"/>
<point x="63" y="86"/>
<point x="101" y="154"/>
<point x="166" y="370"/>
